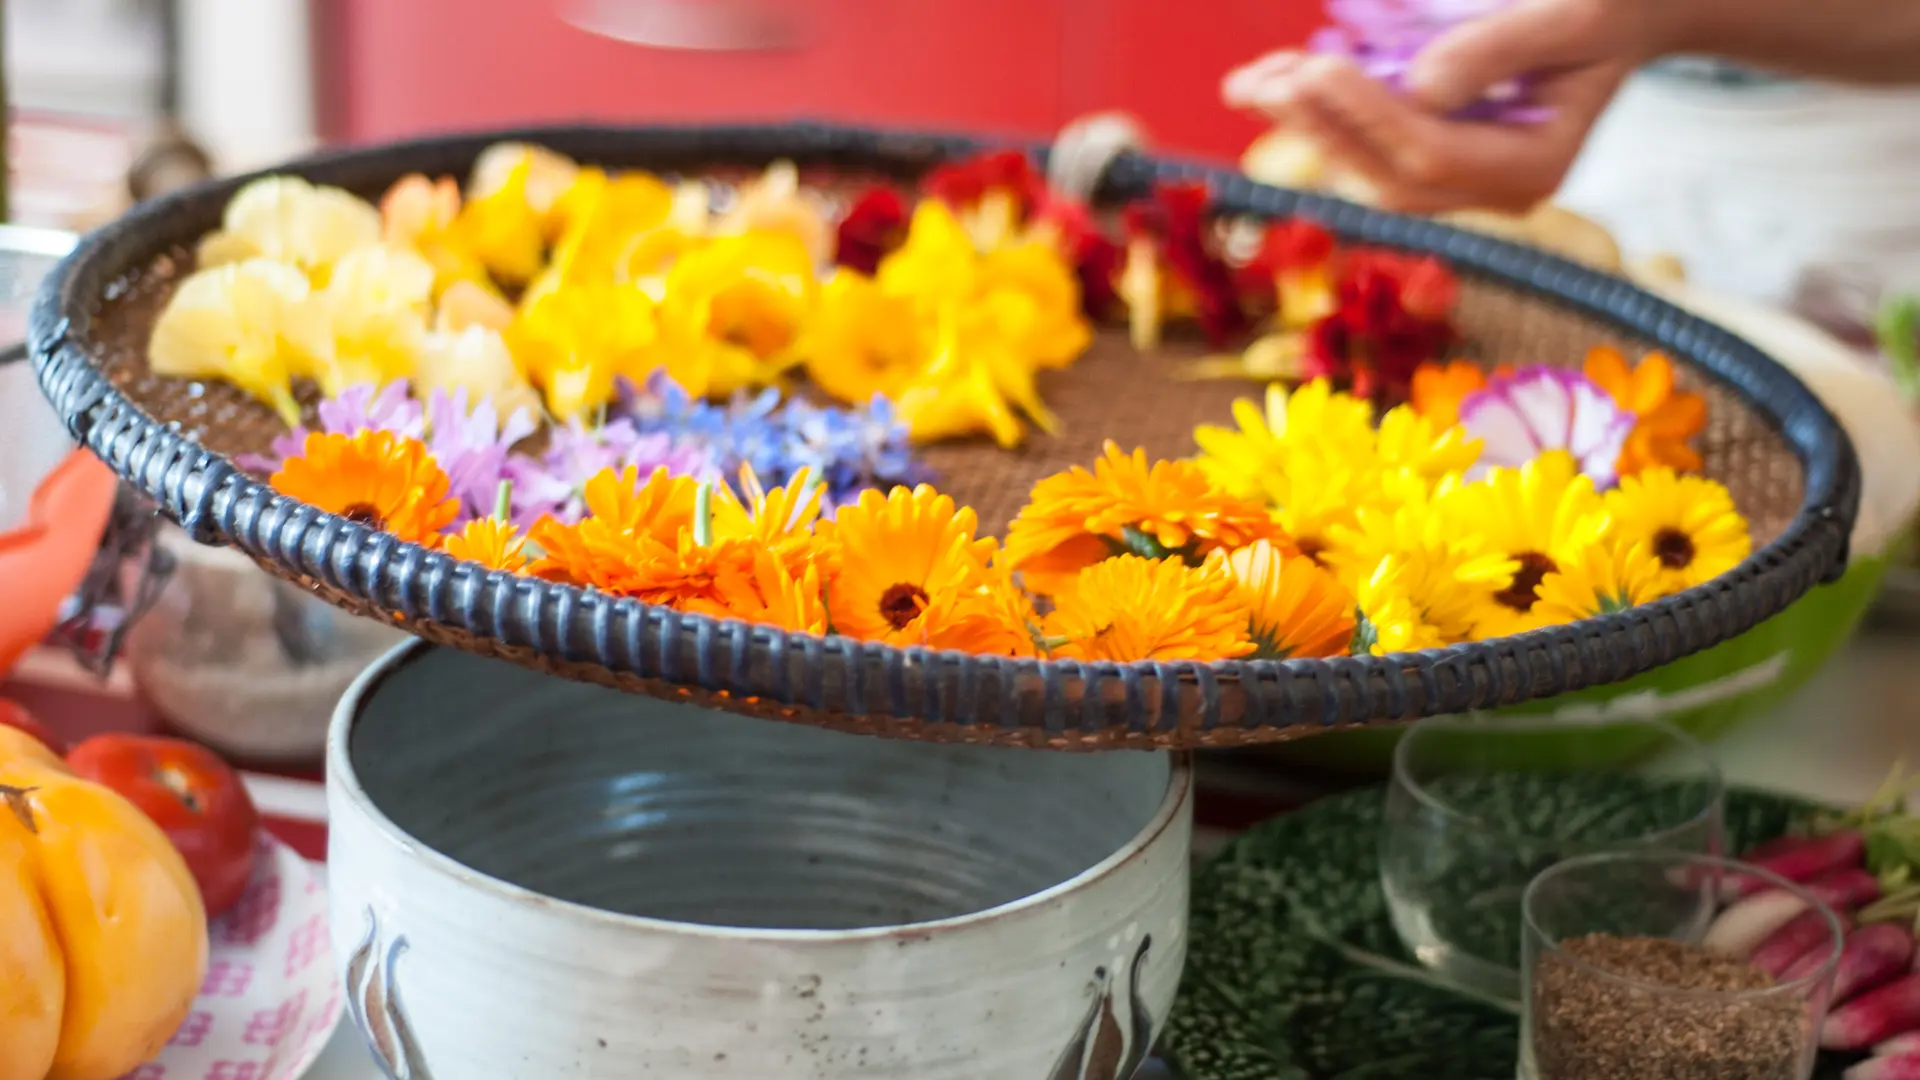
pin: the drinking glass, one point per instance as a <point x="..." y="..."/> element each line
<point x="1618" y="985"/>
<point x="1479" y="806"/>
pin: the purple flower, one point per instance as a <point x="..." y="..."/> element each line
<point x="551" y="484"/>
<point x="364" y="407"/>
<point x="1384" y="36"/>
<point x="472" y="447"/>
<point x="1537" y="409"/>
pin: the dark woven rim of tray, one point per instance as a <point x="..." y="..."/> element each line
<point x="1801" y="493"/>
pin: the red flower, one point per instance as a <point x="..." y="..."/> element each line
<point x="874" y="225"/>
<point x="1292" y="245"/>
<point x="962" y="184"/>
<point x="1175" y="218"/>
<point x="1096" y="259"/>
<point x="1393" y="314"/>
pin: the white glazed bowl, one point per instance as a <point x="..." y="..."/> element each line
<point x="534" y="878"/>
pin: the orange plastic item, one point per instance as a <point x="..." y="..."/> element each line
<point x="44" y="560"/>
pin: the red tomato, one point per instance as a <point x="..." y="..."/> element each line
<point x="14" y="715"/>
<point x="196" y="799"/>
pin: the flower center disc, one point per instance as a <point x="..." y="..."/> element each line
<point x="902" y="603"/>
<point x="363" y="514"/>
<point x="1525" y="590"/>
<point x="1674" y="549"/>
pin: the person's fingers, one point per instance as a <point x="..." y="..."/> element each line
<point x="1388" y="189"/>
<point x="1536" y="35"/>
<point x="1408" y="150"/>
<point x="1264" y="84"/>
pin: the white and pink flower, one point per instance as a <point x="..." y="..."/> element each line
<point x="1536" y="409"/>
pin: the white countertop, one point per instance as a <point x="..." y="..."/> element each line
<point x="1835" y="741"/>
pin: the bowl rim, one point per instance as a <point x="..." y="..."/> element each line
<point x="343" y="787"/>
<point x="918" y="692"/>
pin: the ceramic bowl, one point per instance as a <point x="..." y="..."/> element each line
<point x="534" y="878"/>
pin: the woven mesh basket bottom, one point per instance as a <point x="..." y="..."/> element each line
<point x="96" y="315"/>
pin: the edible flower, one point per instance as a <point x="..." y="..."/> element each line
<point x="1384" y="37"/>
<point x="1295" y="262"/>
<point x="419" y="214"/>
<point x="576" y="340"/>
<point x="1131" y="608"/>
<point x="1540" y="409"/>
<point x="871" y="229"/>
<point x="288" y="220"/>
<point x="1392" y="313"/>
<point x="490" y="542"/>
<point x="1439" y="388"/>
<point x="904" y="564"/>
<point x="1386" y="619"/>
<point x="377" y="479"/>
<point x="1687" y="524"/>
<point x="1541" y="516"/>
<point x="1606" y="578"/>
<point x="1666" y="420"/>
<point x="1079" y="517"/>
<point x="1172" y="270"/>
<point x="732" y="311"/>
<point x="1294" y="608"/>
<point x="991" y="194"/>
<point x="250" y="323"/>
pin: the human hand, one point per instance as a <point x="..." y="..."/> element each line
<point x="1575" y="53"/>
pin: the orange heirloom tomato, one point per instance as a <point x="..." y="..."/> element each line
<point x="103" y="937"/>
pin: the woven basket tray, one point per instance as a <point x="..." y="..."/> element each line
<point x="1789" y="466"/>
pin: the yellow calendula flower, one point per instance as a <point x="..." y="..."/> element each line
<point x="862" y="341"/>
<point x="1129" y="608"/>
<point x="1408" y="440"/>
<point x="288" y="220"/>
<point x="575" y="341"/>
<point x="1445" y="571"/>
<point x="733" y="311"/>
<point x="250" y="323"/>
<point x="503" y="229"/>
<point x="1542" y="516"/>
<point x="1264" y="448"/>
<point x="1294" y="608"/>
<point x="1605" y="579"/>
<point x="1689" y="524"/>
<point x="1388" y="621"/>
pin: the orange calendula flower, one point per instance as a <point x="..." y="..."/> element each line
<point x="490" y="542"/>
<point x="1294" y="608"/>
<point x="604" y="549"/>
<point x="1438" y="389"/>
<point x="780" y="520"/>
<point x="1668" y="419"/>
<point x="375" y="478"/>
<point x="1077" y="518"/>
<point x="771" y="594"/>
<point x="1129" y="608"/>
<point x="902" y="561"/>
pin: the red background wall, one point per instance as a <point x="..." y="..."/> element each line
<point x="399" y="67"/>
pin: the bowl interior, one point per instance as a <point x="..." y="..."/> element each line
<point x="669" y="811"/>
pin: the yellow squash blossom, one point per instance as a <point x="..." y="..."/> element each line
<point x="615" y="229"/>
<point x="251" y="323"/>
<point x="502" y="228"/>
<point x="478" y="361"/>
<point x="733" y="311"/>
<point x="574" y="342"/>
<point x="286" y="219"/>
<point x="1034" y="299"/>
<point x="862" y="341"/>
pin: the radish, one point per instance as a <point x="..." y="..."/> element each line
<point x="1798" y="859"/>
<point x="1873" y="955"/>
<point x="1898" y="1045"/>
<point x="1874" y="1016"/>
<point x="1745" y="925"/>
<point x="1897" y="1067"/>
<point x="1805" y="933"/>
